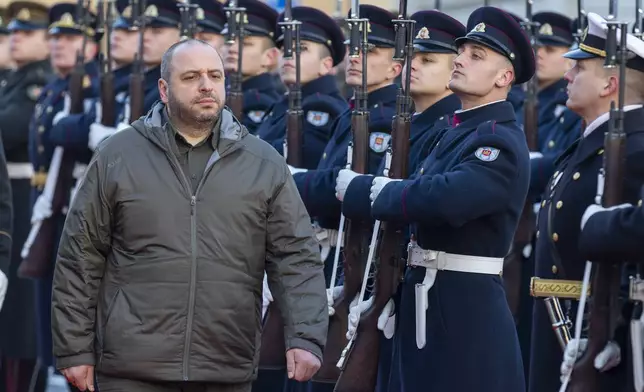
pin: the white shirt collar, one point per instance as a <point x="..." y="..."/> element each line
<point x="603" y="118"/>
<point x="476" y="107"/>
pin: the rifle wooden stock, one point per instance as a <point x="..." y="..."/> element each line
<point x="235" y="101"/>
<point x="294" y="138"/>
<point x="355" y="251"/>
<point x="108" y="99"/>
<point x="39" y="261"/>
<point x="606" y="277"/>
<point x="75" y="89"/>
<point x="136" y="96"/>
<point x="272" y="354"/>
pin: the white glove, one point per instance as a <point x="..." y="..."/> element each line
<point x="377" y="185"/>
<point x="97" y="133"/>
<point x="295" y="170"/>
<point x="331" y="295"/>
<point x="63" y="113"/>
<point x="386" y="320"/>
<point x="535" y="155"/>
<point x="267" y="296"/>
<point x="42" y="209"/>
<point x="4" y="283"/>
<point x="121" y="126"/>
<point x="342" y="182"/>
<point x="607" y="359"/>
<point x="98" y="110"/>
<point x="595" y="208"/>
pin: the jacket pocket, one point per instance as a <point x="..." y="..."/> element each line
<point x="101" y="330"/>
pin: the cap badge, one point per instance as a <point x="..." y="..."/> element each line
<point x="200" y="14"/>
<point x="152" y="11"/>
<point x="23" y="15"/>
<point x="423" y="33"/>
<point x="127" y="12"/>
<point x="479" y="28"/>
<point x="546" y="29"/>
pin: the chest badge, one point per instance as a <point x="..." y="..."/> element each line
<point x="34" y="91"/>
<point x="487" y="154"/>
<point x="256" y="115"/>
<point x="379" y="141"/>
<point x="317" y="118"/>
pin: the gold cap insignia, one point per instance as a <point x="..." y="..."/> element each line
<point x="86" y="82"/>
<point x="546" y="29"/>
<point x="423" y="33"/>
<point x="23" y="15"/>
<point x="152" y="11"/>
<point x="127" y="12"/>
<point x="67" y="20"/>
<point x="479" y="28"/>
<point x="200" y="14"/>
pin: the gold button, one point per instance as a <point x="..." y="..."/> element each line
<point x="551" y="144"/>
<point x="41" y="149"/>
<point x="554" y="269"/>
<point x="422" y="170"/>
<point x="543" y="203"/>
<point x="561" y="120"/>
<point x="324" y="156"/>
<point x="537" y="233"/>
<point x="555" y="237"/>
<point x="41" y="129"/>
<point x="639" y="203"/>
<point x="559" y="204"/>
<point x="49" y="109"/>
<point x="576" y="176"/>
<point x="600" y="152"/>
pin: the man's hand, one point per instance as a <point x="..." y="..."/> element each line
<point x="301" y="365"/>
<point x="607" y="359"/>
<point x="82" y="377"/>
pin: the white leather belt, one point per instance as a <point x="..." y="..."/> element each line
<point x="20" y="171"/>
<point x="438" y="260"/>
<point x="79" y="171"/>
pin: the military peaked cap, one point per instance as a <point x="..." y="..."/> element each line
<point x="211" y="16"/>
<point x="27" y="16"/>
<point x="554" y="29"/>
<point x="381" y="31"/>
<point x="436" y="32"/>
<point x="63" y="19"/>
<point x="260" y="19"/>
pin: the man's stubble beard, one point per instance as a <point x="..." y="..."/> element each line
<point x="199" y="124"/>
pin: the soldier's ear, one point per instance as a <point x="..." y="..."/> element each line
<point x="394" y="70"/>
<point x="611" y="86"/>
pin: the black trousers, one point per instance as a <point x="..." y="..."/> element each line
<point x="113" y="384"/>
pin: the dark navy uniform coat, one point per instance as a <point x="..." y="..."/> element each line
<point x="73" y="130"/>
<point x="571" y="189"/>
<point x="260" y="93"/>
<point x="322" y="103"/>
<point x="466" y="198"/>
<point x="150" y="94"/>
<point x="17" y="103"/>
<point x="425" y="129"/>
<point x="41" y="148"/>
<point x="317" y="187"/>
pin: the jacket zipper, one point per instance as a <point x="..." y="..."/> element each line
<point x="193" y="254"/>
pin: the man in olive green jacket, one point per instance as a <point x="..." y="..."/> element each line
<point x="158" y="281"/>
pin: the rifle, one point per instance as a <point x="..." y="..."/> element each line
<point x="108" y="97"/>
<point x="295" y="113"/>
<point x="357" y="232"/>
<point x="360" y="361"/>
<point x="581" y="20"/>
<point x="188" y="13"/>
<point x="606" y="277"/>
<point x="513" y="263"/>
<point x="236" y="21"/>
<point x="273" y="345"/>
<point x="136" y="93"/>
<point x="39" y="247"/>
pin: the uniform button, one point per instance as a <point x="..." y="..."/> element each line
<point x="639" y="203"/>
<point x="556" y="174"/>
<point x="551" y="144"/>
<point x="41" y="129"/>
<point x="600" y="152"/>
<point x="41" y="149"/>
<point x="576" y="176"/>
<point x="441" y="119"/>
<point x="49" y="109"/>
<point x="555" y="237"/>
<point x="561" y="120"/>
<point x="324" y="156"/>
<point x="559" y="204"/>
<point x="543" y="203"/>
<point x="537" y="233"/>
<point x="422" y="170"/>
<point x="554" y="269"/>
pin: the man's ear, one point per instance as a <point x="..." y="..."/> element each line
<point x="610" y="87"/>
<point x="271" y="55"/>
<point x="394" y="70"/>
<point x="505" y="78"/>
<point x="163" y="90"/>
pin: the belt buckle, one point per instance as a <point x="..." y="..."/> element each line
<point x="426" y="257"/>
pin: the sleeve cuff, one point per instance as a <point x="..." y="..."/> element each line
<point x="306" y="345"/>
<point x="75" y="360"/>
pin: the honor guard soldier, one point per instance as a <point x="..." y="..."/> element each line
<point x="323" y="48"/>
<point x="27" y="25"/>
<point x="431" y="68"/>
<point x="574" y="186"/>
<point x="456" y="332"/>
<point x="66" y="41"/>
<point x="317" y="187"/>
<point x="259" y="59"/>
<point x="211" y="20"/>
<point x="124" y="43"/>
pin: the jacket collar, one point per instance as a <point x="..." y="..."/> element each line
<point x="499" y="111"/>
<point x="263" y="81"/>
<point x="549" y="93"/>
<point x="377" y="97"/>
<point x="324" y="85"/>
<point x="426" y="119"/>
